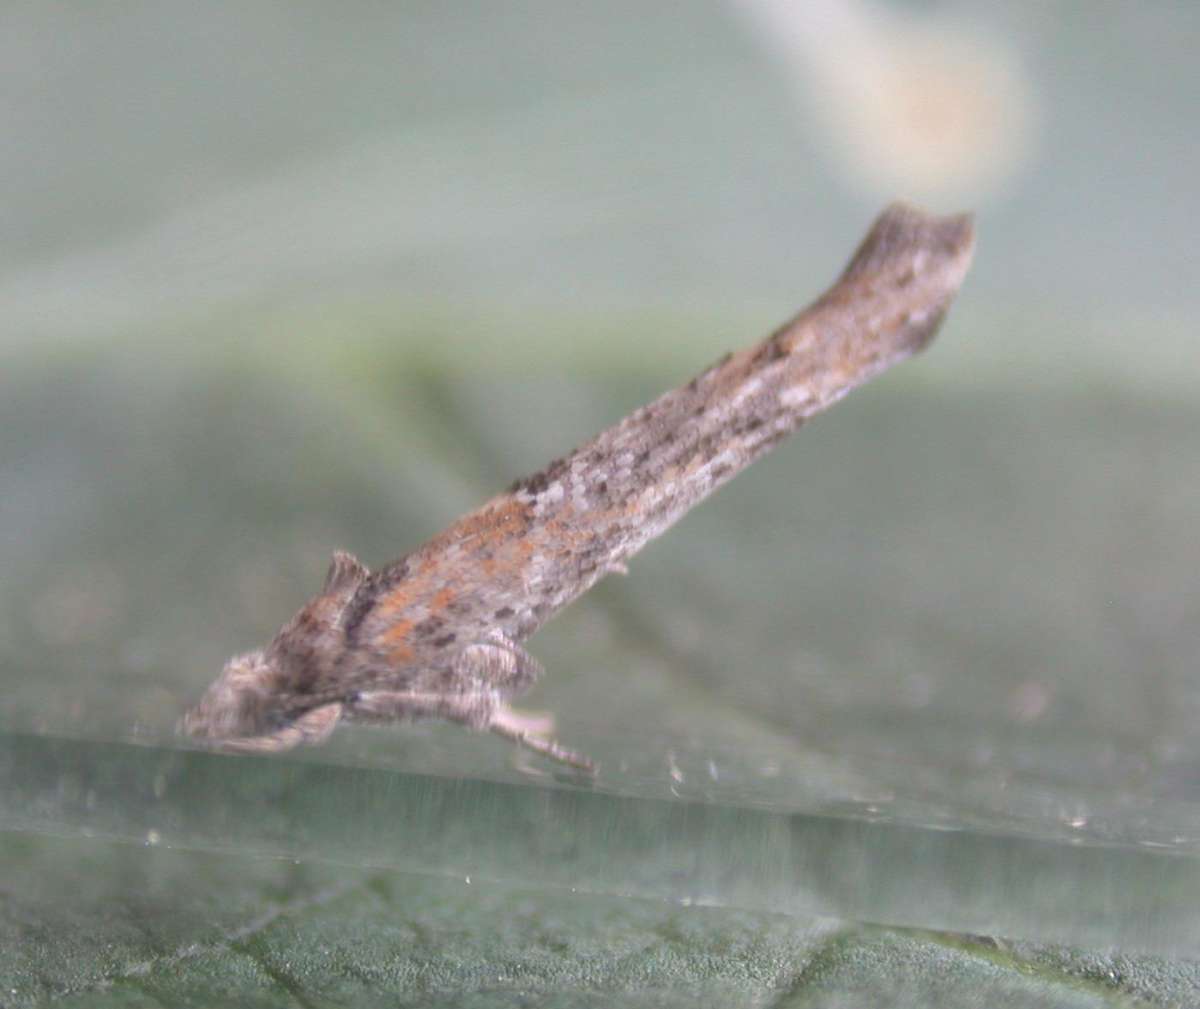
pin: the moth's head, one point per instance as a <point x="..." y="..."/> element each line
<point x="260" y="691"/>
<point x="237" y="703"/>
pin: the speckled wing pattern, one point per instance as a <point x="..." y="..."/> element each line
<point x="437" y="633"/>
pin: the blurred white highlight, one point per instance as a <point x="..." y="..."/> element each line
<point x="919" y="108"/>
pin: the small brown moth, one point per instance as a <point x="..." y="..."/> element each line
<point x="437" y="634"/>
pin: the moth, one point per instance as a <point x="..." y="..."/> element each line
<point x="439" y="633"/>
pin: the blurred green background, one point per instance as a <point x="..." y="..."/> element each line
<point x="904" y="716"/>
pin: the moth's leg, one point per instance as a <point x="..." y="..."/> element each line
<point x="311" y="727"/>
<point x="499" y="663"/>
<point x="506" y="666"/>
<point x="477" y="710"/>
<point x="536" y="723"/>
<point x="515" y="726"/>
<point x="473" y="709"/>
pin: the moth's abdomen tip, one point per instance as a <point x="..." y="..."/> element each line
<point x="911" y="264"/>
<point x="912" y="242"/>
<point x="951" y="240"/>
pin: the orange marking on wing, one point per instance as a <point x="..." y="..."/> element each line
<point x="510" y="559"/>
<point x="522" y="551"/>
<point x="395" y="640"/>
<point x="499" y="520"/>
<point x="399" y="599"/>
<point x="400" y="654"/>
<point x="558" y="530"/>
<point x="510" y="519"/>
